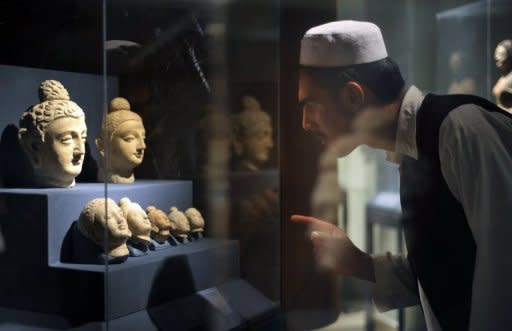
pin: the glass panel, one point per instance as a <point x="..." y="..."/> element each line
<point x="51" y="104"/>
<point x="445" y="47"/>
<point x="201" y="78"/>
<point x="173" y="210"/>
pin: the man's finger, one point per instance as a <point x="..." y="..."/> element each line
<point x="319" y="237"/>
<point x="326" y="226"/>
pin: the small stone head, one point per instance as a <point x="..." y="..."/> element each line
<point x="180" y="224"/>
<point x="195" y="220"/>
<point x="125" y="135"/>
<point x="252" y="134"/>
<point x="137" y="219"/>
<point x="52" y="134"/>
<point x="503" y="55"/>
<point x="100" y="215"/>
<point x="161" y="225"/>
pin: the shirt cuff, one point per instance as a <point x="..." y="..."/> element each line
<point x="395" y="285"/>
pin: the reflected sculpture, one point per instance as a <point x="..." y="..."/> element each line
<point x="139" y="225"/>
<point x="124" y="133"/>
<point x="502" y="90"/>
<point x="252" y="136"/>
<point x="462" y="83"/>
<point x="52" y="135"/>
<point x="93" y="223"/>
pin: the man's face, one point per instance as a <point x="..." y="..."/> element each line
<point x="501" y="58"/>
<point x="127" y="144"/>
<point x="323" y="114"/>
<point x="62" y="153"/>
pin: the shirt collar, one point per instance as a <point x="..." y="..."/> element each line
<point x="406" y="128"/>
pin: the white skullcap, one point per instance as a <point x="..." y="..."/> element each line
<point x="342" y="43"/>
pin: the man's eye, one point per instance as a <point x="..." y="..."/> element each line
<point x="129" y="138"/>
<point x="311" y="106"/>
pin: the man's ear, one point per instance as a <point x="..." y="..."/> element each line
<point x="352" y="95"/>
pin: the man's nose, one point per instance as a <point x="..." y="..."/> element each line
<point x="306" y="121"/>
<point x="270" y="142"/>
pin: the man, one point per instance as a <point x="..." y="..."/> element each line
<point x="455" y="156"/>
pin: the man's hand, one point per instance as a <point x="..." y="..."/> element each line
<point x="334" y="249"/>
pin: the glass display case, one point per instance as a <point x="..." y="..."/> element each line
<point x="152" y="153"/>
<point x="140" y="191"/>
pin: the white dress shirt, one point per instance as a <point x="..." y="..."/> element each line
<point x="475" y="150"/>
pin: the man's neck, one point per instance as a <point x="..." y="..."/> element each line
<point x="384" y="134"/>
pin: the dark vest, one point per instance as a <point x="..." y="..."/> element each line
<point x="441" y="247"/>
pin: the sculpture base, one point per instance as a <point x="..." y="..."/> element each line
<point x="137" y="249"/>
<point x="173" y="241"/>
<point x="166" y="285"/>
<point x="234" y="305"/>
<point x="155" y="245"/>
<point x="195" y="236"/>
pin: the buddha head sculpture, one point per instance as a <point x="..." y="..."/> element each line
<point x="138" y="221"/>
<point x="502" y="89"/>
<point x="503" y="55"/>
<point x="252" y="135"/>
<point x="180" y="225"/>
<point x="123" y="131"/>
<point x="52" y="135"/>
<point x="104" y="215"/>
<point x="161" y="225"/>
<point x="195" y="220"/>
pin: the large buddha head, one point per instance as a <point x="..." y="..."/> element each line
<point x="102" y="216"/>
<point x="252" y="135"/>
<point x="52" y="134"/>
<point x="120" y="143"/>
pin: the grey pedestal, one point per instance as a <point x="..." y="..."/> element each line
<point x="184" y="287"/>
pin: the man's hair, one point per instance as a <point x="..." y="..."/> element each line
<point x="382" y="77"/>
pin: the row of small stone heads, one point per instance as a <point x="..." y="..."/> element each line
<point x="133" y="231"/>
<point x="52" y="135"/>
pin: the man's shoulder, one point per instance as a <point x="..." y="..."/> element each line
<point x="466" y="116"/>
<point x="472" y="122"/>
